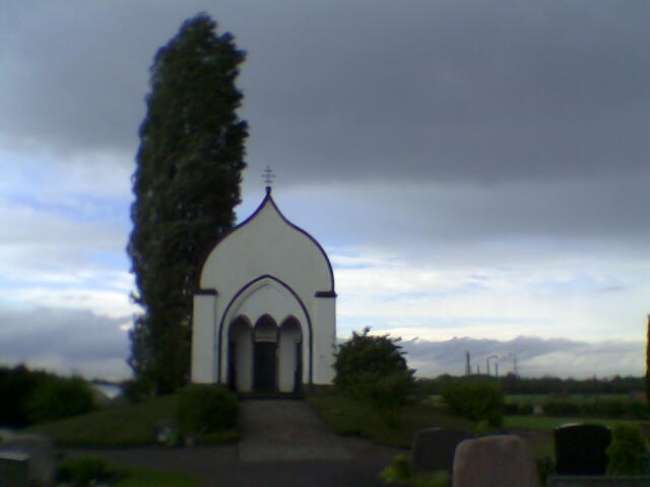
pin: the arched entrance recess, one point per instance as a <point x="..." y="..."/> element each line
<point x="266" y="357"/>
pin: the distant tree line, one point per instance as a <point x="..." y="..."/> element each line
<point x="512" y="384"/>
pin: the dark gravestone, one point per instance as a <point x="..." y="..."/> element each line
<point x="433" y="449"/>
<point x="580" y="449"/>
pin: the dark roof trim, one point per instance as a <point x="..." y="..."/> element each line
<point x="325" y="294"/>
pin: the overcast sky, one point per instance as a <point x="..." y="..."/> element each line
<point x="474" y="169"/>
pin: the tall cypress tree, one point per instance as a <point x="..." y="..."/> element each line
<point x="186" y="185"/>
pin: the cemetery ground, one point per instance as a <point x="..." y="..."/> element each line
<point x="124" y="425"/>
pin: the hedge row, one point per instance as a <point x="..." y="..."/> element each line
<point x="602" y="408"/>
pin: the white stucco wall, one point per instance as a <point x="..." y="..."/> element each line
<point x="203" y="339"/>
<point x="266" y="266"/>
<point x="324" y="341"/>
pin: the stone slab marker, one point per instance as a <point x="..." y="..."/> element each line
<point x="433" y="449"/>
<point x="495" y="461"/>
<point x="39" y="454"/>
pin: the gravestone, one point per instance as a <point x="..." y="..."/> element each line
<point x="495" y="461"/>
<point x="433" y="449"/>
<point x="40" y="457"/>
<point x="580" y="449"/>
<point x="14" y="469"/>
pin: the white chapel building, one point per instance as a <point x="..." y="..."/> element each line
<point x="265" y="314"/>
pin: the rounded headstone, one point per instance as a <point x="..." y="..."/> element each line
<point x="491" y="461"/>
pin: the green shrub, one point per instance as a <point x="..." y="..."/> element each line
<point x="626" y="452"/>
<point x="81" y="472"/>
<point x="204" y="409"/>
<point x="518" y="409"/>
<point x="476" y="399"/>
<point x="399" y="471"/>
<point x="373" y="369"/>
<point x="58" y="398"/>
<point x="439" y="478"/>
<point x="620" y="408"/>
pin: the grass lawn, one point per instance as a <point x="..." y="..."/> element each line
<point x="349" y="417"/>
<point x="140" y="477"/>
<point x="119" y="426"/>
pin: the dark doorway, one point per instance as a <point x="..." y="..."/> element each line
<point x="265" y="362"/>
<point x="297" y="377"/>
<point x="232" y="371"/>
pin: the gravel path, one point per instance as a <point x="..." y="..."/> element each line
<point x="275" y="430"/>
<point x="283" y="444"/>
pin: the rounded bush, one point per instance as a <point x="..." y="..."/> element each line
<point x="205" y="408"/>
<point x="626" y="452"/>
<point x="58" y="398"/>
<point x="476" y="399"/>
<point x="373" y="369"/>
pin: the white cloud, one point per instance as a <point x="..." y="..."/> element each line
<point x="583" y="299"/>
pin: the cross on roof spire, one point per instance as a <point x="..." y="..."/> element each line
<point x="268" y="176"/>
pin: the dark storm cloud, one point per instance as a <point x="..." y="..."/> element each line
<point x="574" y="216"/>
<point x="444" y="91"/>
<point x="473" y="92"/>
<point x="75" y="74"/>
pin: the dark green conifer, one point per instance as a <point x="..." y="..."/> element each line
<point x="186" y="185"/>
